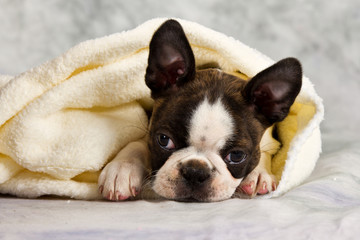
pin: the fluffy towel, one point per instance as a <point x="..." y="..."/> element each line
<point x="63" y="121"/>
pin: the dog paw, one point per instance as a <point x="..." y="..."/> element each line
<point x="120" y="180"/>
<point x="259" y="181"/>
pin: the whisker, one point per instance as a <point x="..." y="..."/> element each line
<point x="146" y="188"/>
<point x="145" y="125"/>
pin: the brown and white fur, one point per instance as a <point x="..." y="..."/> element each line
<point x="210" y="133"/>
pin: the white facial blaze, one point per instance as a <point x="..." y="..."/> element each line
<point x="210" y="126"/>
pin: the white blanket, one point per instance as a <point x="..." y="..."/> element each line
<point x="63" y="121"/>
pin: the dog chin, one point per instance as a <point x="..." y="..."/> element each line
<point x="195" y="196"/>
<point x="181" y="191"/>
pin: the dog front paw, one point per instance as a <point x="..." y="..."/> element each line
<point x="259" y="181"/>
<point x="121" y="180"/>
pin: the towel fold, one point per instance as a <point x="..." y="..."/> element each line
<point x="62" y="121"/>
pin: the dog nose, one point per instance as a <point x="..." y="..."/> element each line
<point x="195" y="172"/>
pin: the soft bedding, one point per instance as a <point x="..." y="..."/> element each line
<point x="325" y="206"/>
<point x="323" y="34"/>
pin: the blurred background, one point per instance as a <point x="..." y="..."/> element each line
<point x="323" y="35"/>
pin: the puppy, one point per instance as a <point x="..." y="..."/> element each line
<point x="210" y="133"/>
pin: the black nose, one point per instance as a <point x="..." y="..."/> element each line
<point x="195" y="172"/>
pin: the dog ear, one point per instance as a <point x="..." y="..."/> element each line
<point x="273" y="90"/>
<point x="171" y="61"/>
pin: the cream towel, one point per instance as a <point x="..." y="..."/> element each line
<point x="63" y="121"/>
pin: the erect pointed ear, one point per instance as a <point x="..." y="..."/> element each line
<point x="273" y="90"/>
<point x="171" y="61"/>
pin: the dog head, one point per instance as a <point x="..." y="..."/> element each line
<point x="206" y="125"/>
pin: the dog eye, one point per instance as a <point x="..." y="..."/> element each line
<point x="236" y="157"/>
<point x="165" y="142"/>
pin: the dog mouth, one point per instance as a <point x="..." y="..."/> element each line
<point x="193" y="198"/>
<point x="183" y="192"/>
<point x="189" y="199"/>
<point x="200" y="196"/>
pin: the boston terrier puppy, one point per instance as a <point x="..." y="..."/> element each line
<point x="210" y="133"/>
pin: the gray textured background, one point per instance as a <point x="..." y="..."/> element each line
<point x="324" y="35"/>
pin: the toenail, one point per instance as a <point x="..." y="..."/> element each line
<point x="134" y="191"/>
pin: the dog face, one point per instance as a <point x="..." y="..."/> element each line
<point x="206" y="125"/>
